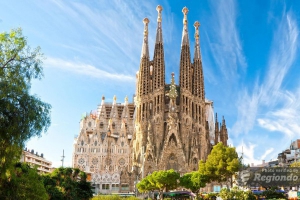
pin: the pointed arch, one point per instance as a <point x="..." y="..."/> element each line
<point x="172" y="138"/>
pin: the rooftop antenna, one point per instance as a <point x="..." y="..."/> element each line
<point x="63" y="158"/>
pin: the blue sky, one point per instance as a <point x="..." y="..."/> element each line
<point x="92" y="48"/>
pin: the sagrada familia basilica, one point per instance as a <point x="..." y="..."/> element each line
<point x="168" y="126"/>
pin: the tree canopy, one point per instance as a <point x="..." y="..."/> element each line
<point x="221" y="163"/>
<point x="25" y="183"/>
<point x="22" y="115"/>
<point x="193" y="181"/>
<point x="159" y="180"/>
<point x="295" y="164"/>
<point x="68" y="183"/>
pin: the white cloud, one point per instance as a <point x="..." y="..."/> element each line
<point x="247" y="106"/>
<point x="247" y="151"/>
<point x="227" y="50"/>
<point x="282" y="57"/>
<point x="270" y="95"/>
<point x="286" y="119"/>
<point x="268" y="151"/>
<point x="85" y="69"/>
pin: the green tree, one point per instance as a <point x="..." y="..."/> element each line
<point x="68" y="183"/>
<point x="147" y="184"/>
<point x="159" y="180"/>
<point x="295" y="164"/>
<point x="166" y="180"/>
<point x="221" y="164"/>
<point x="25" y="183"/>
<point x="193" y="181"/>
<point x="22" y="115"/>
<point x="53" y="191"/>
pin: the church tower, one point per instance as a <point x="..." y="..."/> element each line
<point x="168" y="126"/>
<point x="171" y="130"/>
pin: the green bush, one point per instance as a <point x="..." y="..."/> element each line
<point x="273" y="194"/>
<point x="211" y="196"/>
<point x="113" y="197"/>
<point x="235" y="193"/>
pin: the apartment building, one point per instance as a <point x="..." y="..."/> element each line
<point x="35" y="159"/>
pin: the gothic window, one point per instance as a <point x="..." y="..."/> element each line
<point x="103" y="136"/>
<point x="90" y="124"/>
<point x="149" y="158"/>
<point x="172" y="162"/>
<point x="195" y="161"/>
<point x="122" y="144"/>
<point x="82" y="142"/>
<point x="172" y="140"/>
<point x="95" y="143"/>
<point x="101" y="125"/>
<point x="172" y="157"/>
<point x="113" y="125"/>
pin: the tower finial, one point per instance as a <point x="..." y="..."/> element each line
<point x="197" y="25"/>
<point x="185" y="37"/>
<point x="145" y="49"/>
<point x="159" y="9"/>
<point x="197" y="43"/>
<point x="185" y="11"/>
<point x="159" y="38"/>
<point x="114" y="100"/>
<point x="103" y="98"/>
<point x="223" y="120"/>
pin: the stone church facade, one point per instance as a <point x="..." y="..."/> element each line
<point x="168" y="126"/>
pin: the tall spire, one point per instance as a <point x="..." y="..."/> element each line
<point x="159" y="38"/>
<point x="158" y="72"/>
<point x="145" y="48"/>
<point x="185" y="35"/>
<point x="185" y="78"/>
<point x="197" y="42"/>
<point x="198" y="81"/>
